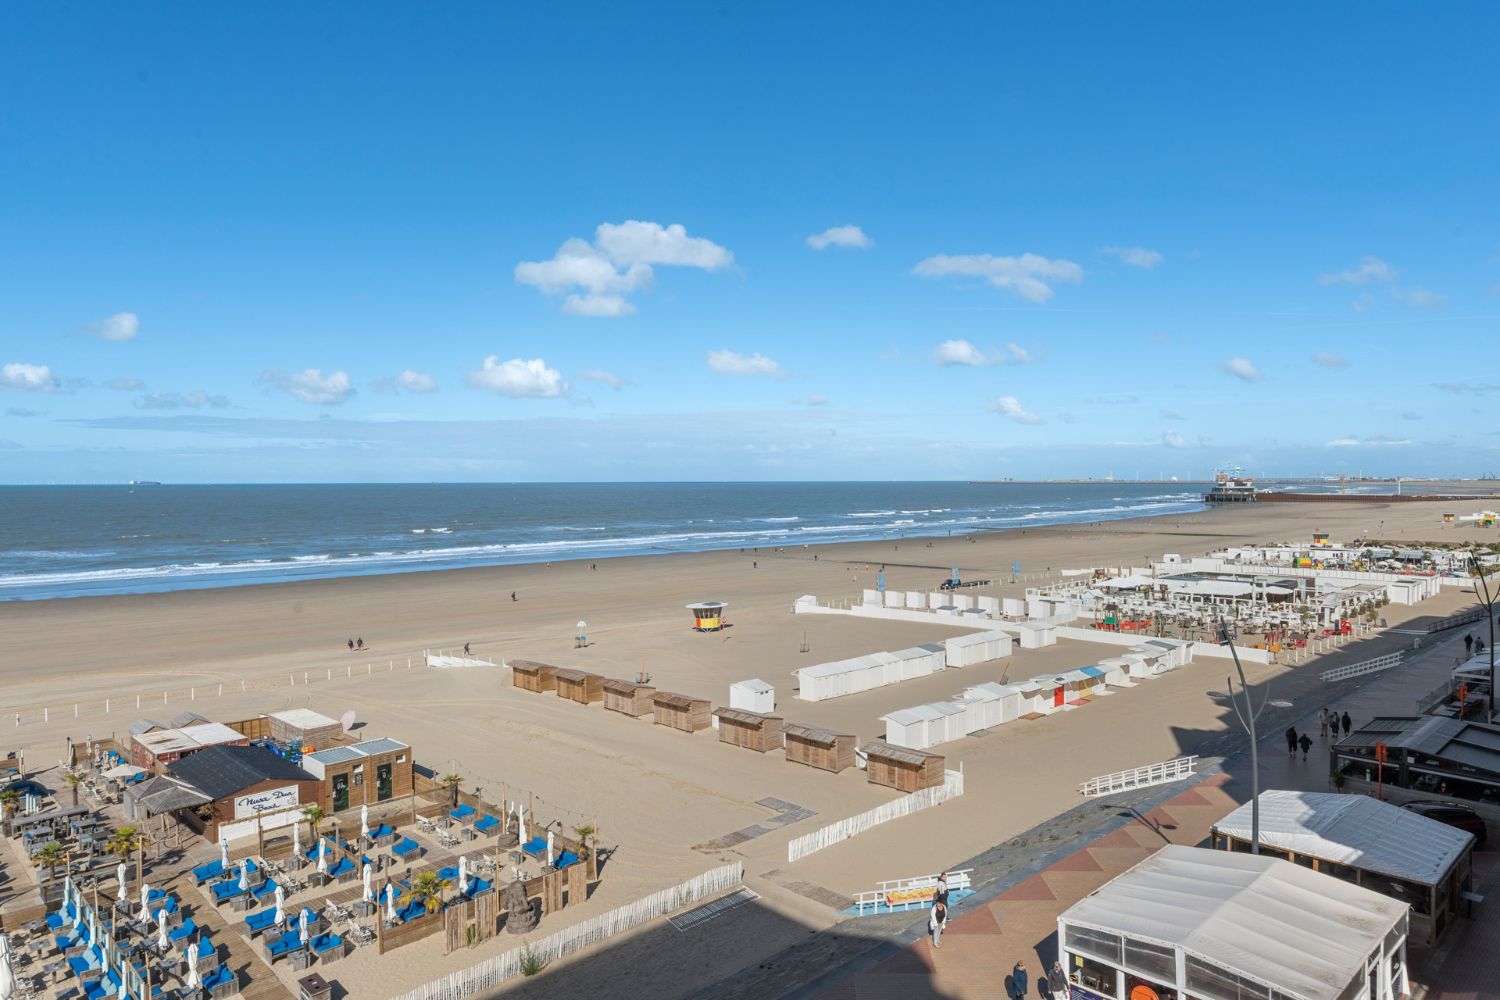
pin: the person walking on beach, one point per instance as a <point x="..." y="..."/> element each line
<point x="1019" y="981"/>
<point x="512" y="596"/>
<point x="351" y="645"/>
<point x="936" y="919"/>
<point x="1291" y="740"/>
<point x="1347" y="722"/>
<point x="1305" y="742"/>
<point x="466" y="649"/>
<point x="359" y="643"/>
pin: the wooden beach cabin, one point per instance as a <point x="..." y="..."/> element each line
<point x="680" y="711"/>
<point x="529" y="675"/>
<point x="902" y="769"/>
<point x="579" y="685"/>
<point x="628" y="697"/>
<point x="820" y="748"/>
<point x="758" y="731"/>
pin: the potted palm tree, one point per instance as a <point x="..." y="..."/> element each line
<point x="48" y="858"/>
<point x="452" y="781"/>
<point x="314" y="816"/>
<point x="125" y="840"/>
<point x="8" y="800"/>
<point x="73" y="780"/>
<point x="427" y="889"/>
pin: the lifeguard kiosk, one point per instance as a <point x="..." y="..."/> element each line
<point x="708" y="616"/>
<point x="1449" y="518"/>
<point x="1320" y="538"/>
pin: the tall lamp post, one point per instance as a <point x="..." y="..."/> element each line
<point x="1487" y="598"/>
<point x="1247" y="719"/>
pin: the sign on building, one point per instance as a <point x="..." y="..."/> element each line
<point x="273" y="800"/>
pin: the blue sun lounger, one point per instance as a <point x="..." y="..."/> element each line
<point x="325" y="943"/>
<point x="90" y="959"/>
<point x="463" y="812"/>
<point x="219" y="979"/>
<point x="411" y="911"/>
<point x="181" y="934"/>
<point x="406" y="849"/>
<point x="261" y="920"/>
<point x="566" y="858"/>
<point x="286" y="944"/>
<point x="486" y="823"/>
<point x="536" y="847"/>
<point x="381" y="832"/>
<point x="211" y="870"/>
<point x="266" y="888"/>
<point x="477" y="886"/>
<point x="225" y="891"/>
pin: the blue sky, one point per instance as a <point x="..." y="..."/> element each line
<point x="493" y="242"/>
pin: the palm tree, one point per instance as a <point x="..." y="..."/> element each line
<point x="8" y="800"/>
<point x="314" y="816"/>
<point x="123" y="841"/>
<point x="49" y="857"/>
<point x="73" y="780"/>
<point x="584" y="832"/>
<point x="427" y="888"/>
<point x="453" y="781"/>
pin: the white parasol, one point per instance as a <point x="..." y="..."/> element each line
<point x="365" y="875"/>
<point x="322" y="857"/>
<point x="244" y="875"/>
<point x="463" y="873"/>
<point x="120" y="877"/>
<point x="280" y="906"/>
<point x="521" y="813"/>
<point x="145" y="900"/>
<point x="549" y="848"/>
<point x="192" y="966"/>
<point x="223" y="852"/>
<point x="7" y="973"/>
<point x="297" y="840"/>
<point x="390" y="901"/>
<point x="364" y="821"/>
<point x="302" y="926"/>
<point x="161" y="929"/>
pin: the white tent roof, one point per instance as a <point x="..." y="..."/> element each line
<point x="1353" y="830"/>
<point x="1297" y="930"/>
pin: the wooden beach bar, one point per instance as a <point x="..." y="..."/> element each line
<point x="820" y="748"/>
<point x="757" y="731"/>
<point x="902" y="769"/>
<point x="627" y="697"/>
<point x="528" y="675"/>
<point x="680" y="711"/>
<point x="579" y="685"/>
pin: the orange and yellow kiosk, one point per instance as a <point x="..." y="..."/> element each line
<point x="708" y="616"/>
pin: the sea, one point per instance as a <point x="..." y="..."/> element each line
<point x="76" y="541"/>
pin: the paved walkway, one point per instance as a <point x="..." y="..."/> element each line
<point x="986" y="937"/>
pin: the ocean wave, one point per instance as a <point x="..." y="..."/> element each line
<point x="871" y="513"/>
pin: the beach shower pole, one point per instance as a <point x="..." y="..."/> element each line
<point x="1247" y="719"/>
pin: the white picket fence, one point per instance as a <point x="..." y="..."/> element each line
<point x="1374" y="666"/>
<point x="1140" y="777"/>
<point x="834" y="833"/>
<point x="491" y="973"/>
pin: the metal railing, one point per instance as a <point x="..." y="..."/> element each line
<point x="905" y="893"/>
<point x="1140" y="777"/>
<point x="1374" y="666"/>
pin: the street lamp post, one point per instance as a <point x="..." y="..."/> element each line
<point x="1247" y="719"/>
<point x="1487" y="598"/>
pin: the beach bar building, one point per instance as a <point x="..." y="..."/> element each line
<point x="757" y="731"/>
<point x="630" y="698"/>
<point x="681" y="711"/>
<point x="1393" y="851"/>
<point x="361" y="774"/>
<point x="579" y="685"/>
<point x="247" y="789"/>
<point x="903" y="769"/>
<point x="1193" y="922"/>
<point x="529" y="675"/>
<point x="820" y="748"/>
<point x="305" y="729"/>
<point x="155" y="747"/>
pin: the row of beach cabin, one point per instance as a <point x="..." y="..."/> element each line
<point x="985" y="706"/>
<point x="873" y="670"/>
<point x="893" y="766"/>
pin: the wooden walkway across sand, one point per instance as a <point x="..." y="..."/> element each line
<point x="257" y="981"/>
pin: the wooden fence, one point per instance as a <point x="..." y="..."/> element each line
<point x="834" y="833"/>
<point x="493" y="972"/>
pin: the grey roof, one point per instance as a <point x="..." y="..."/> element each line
<point x="164" y="793"/>
<point x="1354" y="830"/>
<point x="380" y="745"/>
<point x="1473" y="744"/>
<point x="335" y="755"/>
<point x="221" y="771"/>
<point x="145" y="726"/>
<point x="188" y="718"/>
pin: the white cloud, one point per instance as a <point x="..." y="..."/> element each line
<point x="1135" y="256"/>
<point x="1173" y="440"/>
<point x="604" y="378"/>
<point x="1410" y="415"/>
<point x="1011" y="408"/>
<point x="27" y="378"/>
<point x="962" y="353"/>
<point x="195" y="400"/>
<point x="1240" y="368"/>
<point x="1371" y="271"/>
<point x="840" y="236"/>
<point x="1421" y="298"/>
<point x="311" y="385"/>
<point x="120" y="326"/>
<point x="126" y="384"/>
<point x="518" y="378"/>
<point x="1373" y="441"/>
<point x="816" y="400"/>
<point x="731" y="363"/>
<point x="1458" y="388"/>
<point x="1327" y="360"/>
<point x="597" y="276"/>
<point x="416" y="381"/>
<point x="1030" y="275"/>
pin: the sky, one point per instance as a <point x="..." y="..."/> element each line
<point x="506" y="242"/>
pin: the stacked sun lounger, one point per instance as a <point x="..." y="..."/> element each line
<point x="487" y="824"/>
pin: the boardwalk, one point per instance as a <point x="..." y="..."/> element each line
<point x="257" y="981"/>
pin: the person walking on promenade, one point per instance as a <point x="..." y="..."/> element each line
<point x="1291" y="740"/>
<point x="1469" y="644"/>
<point x="1347" y="723"/>
<point x="936" y="919"/>
<point x="1323" y="723"/>
<point x="1305" y="742"/>
<point x="1019" y="981"/>
<point x="1057" y="980"/>
<point x="940" y="891"/>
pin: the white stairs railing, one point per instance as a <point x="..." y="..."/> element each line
<point x="1374" y="666"/>
<point x="907" y="893"/>
<point x="1140" y="777"/>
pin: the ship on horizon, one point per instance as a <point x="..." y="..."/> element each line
<point x="143" y="482"/>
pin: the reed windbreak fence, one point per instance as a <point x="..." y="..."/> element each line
<point x="834" y="833"/>
<point x="493" y="972"/>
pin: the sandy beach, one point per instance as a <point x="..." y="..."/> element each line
<point x="661" y="797"/>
